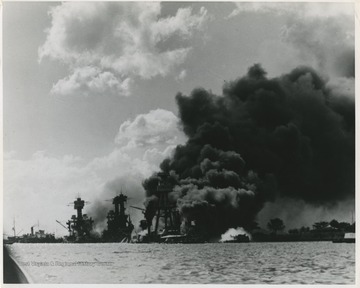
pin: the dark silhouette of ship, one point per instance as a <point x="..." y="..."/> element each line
<point x="162" y="223"/>
<point x="119" y="225"/>
<point x="168" y="221"/>
<point x="240" y="238"/>
<point x="39" y="236"/>
<point x="80" y="225"/>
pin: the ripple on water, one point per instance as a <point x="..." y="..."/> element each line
<point x="253" y="263"/>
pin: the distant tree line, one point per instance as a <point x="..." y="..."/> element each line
<point x="277" y="225"/>
<point x="320" y="231"/>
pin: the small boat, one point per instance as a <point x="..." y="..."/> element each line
<point x="12" y="271"/>
<point x="173" y="239"/>
<point x="348" y="238"/>
<point x="10" y="240"/>
<point x="241" y="238"/>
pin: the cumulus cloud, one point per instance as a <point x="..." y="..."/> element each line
<point x="327" y="43"/>
<point x="91" y="79"/>
<point x="107" y="45"/>
<point x="318" y="34"/>
<point x="40" y="188"/>
<point x="155" y="155"/>
<point x="156" y="127"/>
<point x="54" y="181"/>
<point x="301" y="9"/>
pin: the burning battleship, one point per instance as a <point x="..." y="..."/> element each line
<point x="264" y="139"/>
<point x="119" y="225"/>
<point x="248" y="147"/>
<point x="170" y="226"/>
<point x="81" y="226"/>
<point x="163" y="223"/>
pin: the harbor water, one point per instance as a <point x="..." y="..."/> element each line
<point x="233" y="263"/>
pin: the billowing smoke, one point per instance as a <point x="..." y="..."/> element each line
<point x="292" y="137"/>
<point x="232" y="233"/>
<point x="127" y="185"/>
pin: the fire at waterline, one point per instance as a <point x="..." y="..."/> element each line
<point x="289" y="137"/>
<point x="168" y="226"/>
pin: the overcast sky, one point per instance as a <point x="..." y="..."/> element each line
<point x="89" y="88"/>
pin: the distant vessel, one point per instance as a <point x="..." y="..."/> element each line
<point x="34" y="237"/>
<point x="348" y="238"/>
<point x="38" y="237"/>
<point x="240" y="238"/>
<point x="181" y="238"/>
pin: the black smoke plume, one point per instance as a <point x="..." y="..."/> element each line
<point x="290" y="136"/>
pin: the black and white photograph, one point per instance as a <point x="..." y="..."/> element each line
<point x="179" y="142"/>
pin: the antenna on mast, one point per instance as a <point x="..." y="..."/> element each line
<point x="14" y="229"/>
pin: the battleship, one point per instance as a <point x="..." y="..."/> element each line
<point x="166" y="213"/>
<point x="119" y="225"/>
<point x="81" y="226"/>
<point x="162" y="223"/>
<point x="170" y="226"/>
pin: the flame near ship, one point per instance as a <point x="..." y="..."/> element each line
<point x="265" y="138"/>
<point x="231" y="234"/>
<point x="290" y="137"/>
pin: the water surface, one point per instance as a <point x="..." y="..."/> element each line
<point x="233" y="263"/>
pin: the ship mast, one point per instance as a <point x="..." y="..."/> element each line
<point x="14" y="229"/>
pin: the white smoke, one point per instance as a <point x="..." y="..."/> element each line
<point x="232" y="233"/>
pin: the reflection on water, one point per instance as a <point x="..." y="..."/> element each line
<point x="235" y="263"/>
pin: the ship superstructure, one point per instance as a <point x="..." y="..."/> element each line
<point x="119" y="225"/>
<point x="80" y="225"/>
